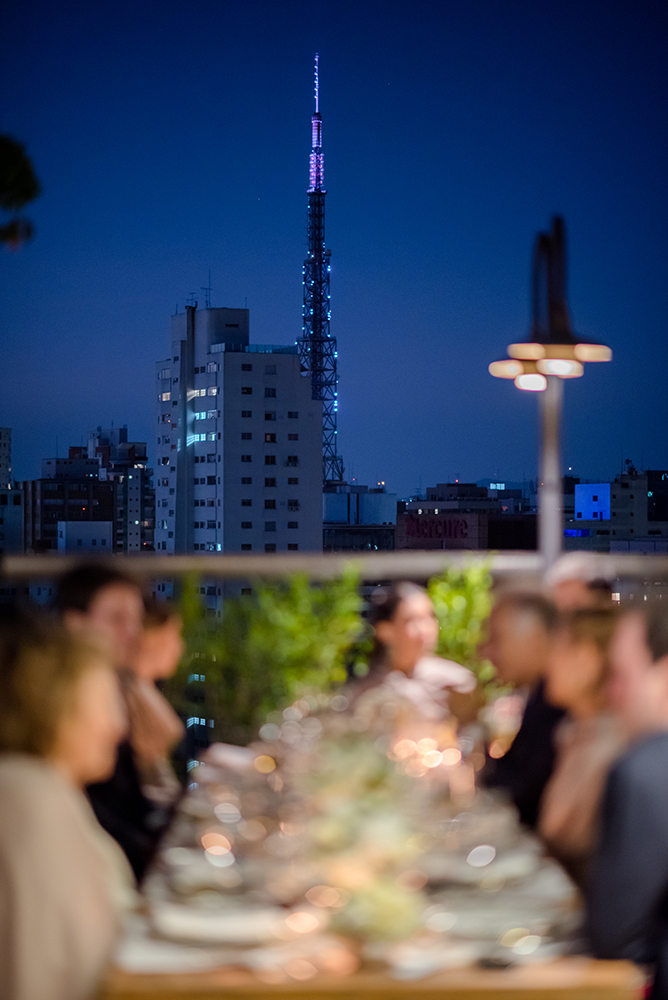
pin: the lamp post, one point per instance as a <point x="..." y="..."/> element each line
<point x="552" y="353"/>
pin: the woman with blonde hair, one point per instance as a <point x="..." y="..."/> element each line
<point x="63" y="880"/>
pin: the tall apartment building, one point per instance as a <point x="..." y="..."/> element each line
<point x="124" y="464"/>
<point x="239" y="466"/>
<point x="107" y="481"/>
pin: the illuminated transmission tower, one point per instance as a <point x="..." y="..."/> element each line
<point x="317" y="347"/>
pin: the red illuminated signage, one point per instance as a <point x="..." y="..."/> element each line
<point x="435" y="527"/>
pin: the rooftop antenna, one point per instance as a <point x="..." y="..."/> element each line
<point x="207" y="293"/>
<point x="192" y="301"/>
<point x="317" y="84"/>
<point x="317" y="348"/>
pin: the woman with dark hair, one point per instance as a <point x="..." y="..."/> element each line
<point x="63" y="880"/>
<point x="405" y="638"/>
<point x="103" y="602"/>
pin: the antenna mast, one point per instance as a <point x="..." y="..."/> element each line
<point x="317" y="347"/>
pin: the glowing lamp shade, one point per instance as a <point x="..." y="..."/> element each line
<point x="509" y="368"/>
<point x="531" y="382"/>
<point x="593" y="352"/>
<point x="560" y="367"/>
<point x="527" y="352"/>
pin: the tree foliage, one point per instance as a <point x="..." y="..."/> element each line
<point x="18" y="187"/>
<point x="269" y="647"/>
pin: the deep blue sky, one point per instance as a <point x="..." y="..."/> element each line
<point x="172" y="138"/>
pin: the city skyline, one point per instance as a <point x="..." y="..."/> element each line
<point x="171" y="141"/>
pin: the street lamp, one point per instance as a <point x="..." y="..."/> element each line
<point x="540" y="364"/>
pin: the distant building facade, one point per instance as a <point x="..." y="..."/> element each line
<point x="358" y="519"/>
<point x="5" y="457"/>
<point x="629" y="514"/>
<point x="107" y="481"/>
<point x="467" y="516"/>
<point x="239" y="465"/>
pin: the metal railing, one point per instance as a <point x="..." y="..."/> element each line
<point x="414" y="565"/>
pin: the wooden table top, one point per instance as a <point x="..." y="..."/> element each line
<point x="565" y="979"/>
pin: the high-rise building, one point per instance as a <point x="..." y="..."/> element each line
<point x="107" y="481"/>
<point x="124" y="464"/>
<point x="239" y="457"/>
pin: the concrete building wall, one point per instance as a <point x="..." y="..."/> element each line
<point x="91" y="537"/>
<point x="11" y="521"/>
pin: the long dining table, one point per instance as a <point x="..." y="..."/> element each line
<point x="576" y="978"/>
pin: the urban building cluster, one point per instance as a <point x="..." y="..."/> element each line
<point x="247" y="459"/>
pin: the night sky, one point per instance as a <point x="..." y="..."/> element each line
<point x="172" y="139"/>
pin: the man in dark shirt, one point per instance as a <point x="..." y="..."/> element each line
<point x="628" y="897"/>
<point x="519" y="638"/>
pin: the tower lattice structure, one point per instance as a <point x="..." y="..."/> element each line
<point x="317" y="347"/>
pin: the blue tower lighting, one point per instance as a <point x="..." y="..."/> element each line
<point x="317" y="347"/>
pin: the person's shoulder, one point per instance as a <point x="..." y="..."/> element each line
<point x="445" y="673"/>
<point x="29" y="786"/>
<point x="643" y="760"/>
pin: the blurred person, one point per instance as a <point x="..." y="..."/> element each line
<point x="579" y="580"/>
<point x="403" y="655"/>
<point x="155" y="728"/>
<point x="93" y="598"/>
<point x="520" y="632"/>
<point x="63" y="881"/>
<point x="587" y="742"/>
<point x="98" y="600"/>
<point x="628" y="896"/>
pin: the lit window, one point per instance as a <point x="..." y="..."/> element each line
<point x="212" y="366"/>
<point x="165" y="397"/>
<point x="213" y="391"/>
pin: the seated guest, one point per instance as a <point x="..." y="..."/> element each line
<point x="155" y="728"/>
<point x="520" y="631"/>
<point x="63" y="881"/>
<point x="405" y="637"/>
<point x="587" y="741"/>
<point x="628" y="896"/>
<point x="105" y="602"/>
<point x="580" y="580"/>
